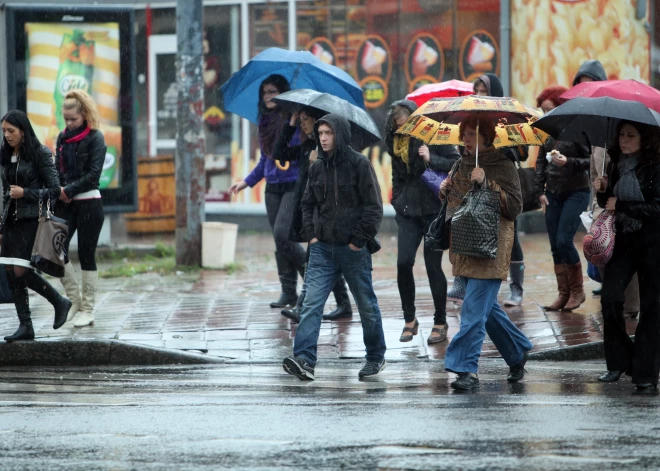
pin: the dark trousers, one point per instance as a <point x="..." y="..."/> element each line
<point x="562" y="218"/>
<point x="86" y="217"/>
<point x="411" y="233"/>
<point x="641" y="358"/>
<point x="280" y="209"/>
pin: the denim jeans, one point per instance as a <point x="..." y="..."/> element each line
<point x="562" y="218"/>
<point x="482" y="314"/>
<point x="326" y="263"/>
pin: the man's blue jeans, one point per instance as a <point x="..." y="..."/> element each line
<point x="481" y="313"/>
<point x="326" y="263"/>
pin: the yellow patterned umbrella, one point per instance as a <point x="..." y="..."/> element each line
<point x="454" y="110"/>
<point x="507" y="135"/>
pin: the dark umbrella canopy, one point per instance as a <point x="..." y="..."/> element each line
<point x="595" y="119"/>
<point x="364" y="131"/>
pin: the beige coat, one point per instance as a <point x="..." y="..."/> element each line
<point x="502" y="176"/>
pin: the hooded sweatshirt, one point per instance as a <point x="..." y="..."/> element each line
<point x="411" y="197"/>
<point x="343" y="191"/>
<point x="592" y="69"/>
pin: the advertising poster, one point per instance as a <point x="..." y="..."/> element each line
<point x="424" y="61"/>
<point x="550" y="39"/>
<point x="373" y="69"/>
<point x="64" y="57"/>
<point x="323" y="49"/>
<point x="479" y="55"/>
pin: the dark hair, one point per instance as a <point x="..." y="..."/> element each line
<point x="276" y="80"/>
<point x="486" y="128"/>
<point x="650" y="142"/>
<point x="552" y="94"/>
<point x="312" y="113"/>
<point x="31" y="144"/>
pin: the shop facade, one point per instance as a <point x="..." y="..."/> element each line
<point x="390" y="47"/>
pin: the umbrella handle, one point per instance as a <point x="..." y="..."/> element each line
<point x="477" y="154"/>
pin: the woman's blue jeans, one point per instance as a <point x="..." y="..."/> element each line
<point x="482" y="314"/>
<point x="562" y="218"/>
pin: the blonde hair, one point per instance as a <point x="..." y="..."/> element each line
<point x="84" y="104"/>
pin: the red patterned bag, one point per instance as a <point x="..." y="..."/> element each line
<point x="598" y="244"/>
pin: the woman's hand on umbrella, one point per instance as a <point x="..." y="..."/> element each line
<point x="445" y="185"/>
<point x="237" y="187"/>
<point x="294" y="119"/>
<point x="16" y="192"/>
<point x="558" y="159"/>
<point x="611" y="204"/>
<point x="600" y="184"/>
<point x="424" y="153"/>
<point x="478" y="175"/>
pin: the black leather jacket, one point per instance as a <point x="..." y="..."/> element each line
<point x="648" y="211"/>
<point x="85" y="175"/>
<point x="35" y="178"/>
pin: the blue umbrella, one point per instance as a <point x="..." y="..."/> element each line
<point x="301" y="69"/>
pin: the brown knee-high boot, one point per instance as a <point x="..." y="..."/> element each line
<point x="563" y="287"/>
<point x="576" y="286"/>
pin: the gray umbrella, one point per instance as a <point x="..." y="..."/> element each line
<point x="364" y="131"/>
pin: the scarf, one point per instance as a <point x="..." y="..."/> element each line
<point x="627" y="189"/>
<point x="271" y="124"/>
<point x="69" y="146"/>
<point x="401" y="144"/>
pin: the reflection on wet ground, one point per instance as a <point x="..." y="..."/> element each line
<point x="227" y="314"/>
<point x="239" y="416"/>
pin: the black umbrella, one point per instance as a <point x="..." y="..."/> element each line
<point x="364" y="131"/>
<point x="594" y="118"/>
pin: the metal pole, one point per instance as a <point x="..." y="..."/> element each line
<point x="190" y="181"/>
<point x="293" y="27"/>
<point x="505" y="45"/>
<point x="245" y="124"/>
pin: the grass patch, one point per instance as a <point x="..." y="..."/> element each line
<point x="233" y="268"/>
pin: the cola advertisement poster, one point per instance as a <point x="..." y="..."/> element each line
<point x="78" y="48"/>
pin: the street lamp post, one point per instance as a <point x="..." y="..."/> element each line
<point x="190" y="142"/>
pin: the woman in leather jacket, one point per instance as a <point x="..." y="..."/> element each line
<point x="631" y="190"/>
<point x="80" y="154"/>
<point x="28" y="176"/>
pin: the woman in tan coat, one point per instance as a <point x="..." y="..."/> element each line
<point x="481" y="313"/>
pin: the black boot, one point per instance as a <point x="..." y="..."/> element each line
<point x="294" y="314"/>
<point x="40" y="285"/>
<point x="19" y="294"/>
<point x="344" y="309"/>
<point x="288" y="279"/>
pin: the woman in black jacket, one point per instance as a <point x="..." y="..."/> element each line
<point x="632" y="191"/>
<point x="416" y="207"/>
<point x="305" y="153"/>
<point x="79" y="158"/>
<point x="28" y="176"/>
<point x="562" y="187"/>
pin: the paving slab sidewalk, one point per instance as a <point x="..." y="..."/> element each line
<point x="227" y="315"/>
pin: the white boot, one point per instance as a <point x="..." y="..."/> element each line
<point x="86" y="315"/>
<point x="72" y="290"/>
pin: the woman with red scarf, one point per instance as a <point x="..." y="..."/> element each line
<point x="79" y="158"/>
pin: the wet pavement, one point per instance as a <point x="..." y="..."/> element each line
<point x="256" y="417"/>
<point x="227" y="314"/>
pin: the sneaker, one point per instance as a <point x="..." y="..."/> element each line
<point x="517" y="372"/>
<point x="465" y="382"/>
<point x="298" y="366"/>
<point x="372" y="368"/>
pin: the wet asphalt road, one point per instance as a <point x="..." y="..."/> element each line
<point x="255" y="417"/>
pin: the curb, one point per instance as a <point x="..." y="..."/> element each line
<point x="586" y="351"/>
<point x="94" y="353"/>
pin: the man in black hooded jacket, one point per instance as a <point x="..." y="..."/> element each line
<point x="343" y="192"/>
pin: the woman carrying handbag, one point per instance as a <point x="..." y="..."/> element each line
<point x="632" y="192"/>
<point x="79" y="158"/>
<point x="481" y="313"/>
<point x="27" y="173"/>
<point x="416" y="207"/>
